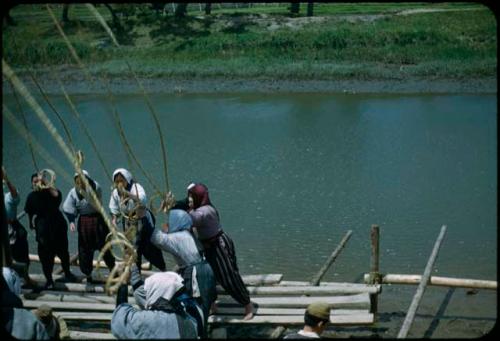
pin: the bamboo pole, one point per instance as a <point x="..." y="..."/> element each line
<point x="277" y="332"/>
<point x="410" y="316"/>
<point x="437" y="281"/>
<point x="317" y="278"/>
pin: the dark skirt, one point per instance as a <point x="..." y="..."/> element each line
<point x="222" y="258"/>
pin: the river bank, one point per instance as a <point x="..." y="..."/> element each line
<point x="75" y="83"/>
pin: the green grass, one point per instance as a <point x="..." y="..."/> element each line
<point x="235" y="43"/>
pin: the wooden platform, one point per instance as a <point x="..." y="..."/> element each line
<point x="276" y="302"/>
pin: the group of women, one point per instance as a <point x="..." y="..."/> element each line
<point x="204" y="253"/>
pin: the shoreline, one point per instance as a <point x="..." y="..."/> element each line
<point x="76" y="84"/>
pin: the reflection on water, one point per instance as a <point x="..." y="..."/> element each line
<point x="290" y="174"/>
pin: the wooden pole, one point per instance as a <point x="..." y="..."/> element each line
<point x="374" y="265"/>
<point x="410" y="316"/>
<point x="436" y="281"/>
<point x="315" y="280"/>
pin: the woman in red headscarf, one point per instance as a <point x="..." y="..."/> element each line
<point x="219" y="248"/>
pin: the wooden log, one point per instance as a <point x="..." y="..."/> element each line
<point x="78" y="335"/>
<point x="363" y="319"/>
<point x="221" y="310"/>
<point x="340" y="289"/>
<point x="359" y="319"/>
<point x="438" y="281"/>
<point x="410" y="316"/>
<point x="374" y="265"/>
<point x="361" y="301"/>
<point x="317" y="278"/>
<point x="57" y="260"/>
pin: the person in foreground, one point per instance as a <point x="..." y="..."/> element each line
<point x="316" y="319"/>
<point x="198" y="276"/>
<point x="167" y="312"/>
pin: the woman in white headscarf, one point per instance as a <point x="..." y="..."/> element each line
<point x="198" y="276"/>
<point x="92" y="230"/>
<point x="166" y="310"/>
<point x="128" y="201"/>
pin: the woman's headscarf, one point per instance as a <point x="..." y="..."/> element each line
<point x="179" y="220"/>
<point x="199" y="192"/>
<point x="125" y="173"/>
<point x="161" y="285"/>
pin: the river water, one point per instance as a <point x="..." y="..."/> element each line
<point x="291" y="174"/>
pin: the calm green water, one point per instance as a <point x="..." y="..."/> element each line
<point x="290" y="174"/>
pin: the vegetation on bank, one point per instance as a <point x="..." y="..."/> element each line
<point x="363" y="41"/>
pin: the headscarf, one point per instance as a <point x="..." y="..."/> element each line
<point x="179" y="220"/>
<point x="161" y="285"/>
<point x="84" y="173"/>
<point x="12" y="279"/>
<point x="125" y="173"/>
<point x="199" y="192"/>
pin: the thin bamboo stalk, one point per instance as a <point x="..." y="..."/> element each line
<point x="317" y="278"/>
<point x="410" y="316"/>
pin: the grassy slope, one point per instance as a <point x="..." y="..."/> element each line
<point x="232" y="43"/>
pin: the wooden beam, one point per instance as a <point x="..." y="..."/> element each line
<point x="341" y="289"/>
<point x="438" y="281"/>
<point x="292" y="319"/>
<point x="361" y="301"/>
<point x="317" y="278"/>
<point x="78" y="335"/>
<point x="57" y="260"/>
<point x="359" y="319"/>
<point x="410" y="316"/>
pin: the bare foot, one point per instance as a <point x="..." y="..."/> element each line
<point x="248" y="312"/>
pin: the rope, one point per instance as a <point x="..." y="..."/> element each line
<point x="148" y="101"/>
<point x="85" y="129"/>
<point x="42" y="151"/>
<point x="125" y="143"/>
<point x="76" y="161"/>
<point x="65" y="127"/>
<point x="21" y="110"/>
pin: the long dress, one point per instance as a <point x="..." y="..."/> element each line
<point x="220" y="252"/>
<point x="51" y="230"/>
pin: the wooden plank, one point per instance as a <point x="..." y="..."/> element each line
<point x="73" y="306"/>
<point x="57" y="260"/>
<point x="78" y="335"/>
<point x="284" y="311"/>
<point x="362" y="319"/>
<point x="358" y="319"/>
<point x="341" y="289"/>
<point x="317" y="278"/>
<point x="410" y="315"/>
<point x="361" y="301"/>
<point x="439" y="281"/>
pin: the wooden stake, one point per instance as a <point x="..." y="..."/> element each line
<point x="374" y="266"/>
<point x="410" y="316"/>
<point x="316" y="279"/>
